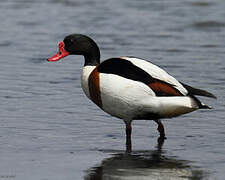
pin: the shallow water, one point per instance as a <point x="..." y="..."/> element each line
<point x="50" y="130"/>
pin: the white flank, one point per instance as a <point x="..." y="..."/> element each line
<point x="122" y="97"/>
<point x="168" y="107"/>
<point x="126" y="99"/>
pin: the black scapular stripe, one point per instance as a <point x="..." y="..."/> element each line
<point x="128" y="70"/>
<point x="125" y="69"/>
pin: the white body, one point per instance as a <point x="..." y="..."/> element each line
<point x="128" y="99"/>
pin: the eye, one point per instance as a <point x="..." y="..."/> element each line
<point x="70" y="42"/>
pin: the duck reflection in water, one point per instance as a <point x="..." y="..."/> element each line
<point x="144" y="165"/>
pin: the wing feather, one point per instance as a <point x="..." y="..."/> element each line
<point x="140" y="70"/>
<point x="167" y="82"/>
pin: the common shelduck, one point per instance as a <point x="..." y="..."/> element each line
<point x="130" y="88"/>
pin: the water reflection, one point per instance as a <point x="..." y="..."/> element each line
<point x="153" y="164"/>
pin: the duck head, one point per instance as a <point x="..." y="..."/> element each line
<point x="78" y="44"/>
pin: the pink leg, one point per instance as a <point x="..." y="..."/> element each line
<point x="161" y="129"/>
<point x="128" y="136"/>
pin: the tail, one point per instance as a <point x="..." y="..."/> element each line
<point x="200" y="104"/>
<point x="198" y="92"/>
<point x="203" y="106"/>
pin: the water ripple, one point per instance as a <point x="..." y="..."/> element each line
<point x="202" y="4"/>
<point x="209" y="25"/>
